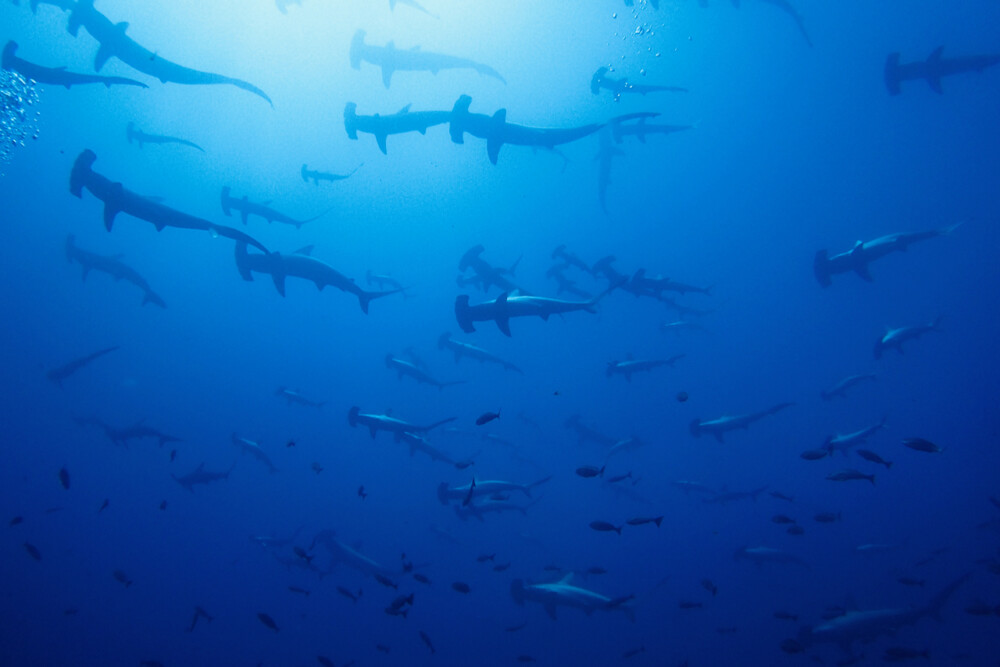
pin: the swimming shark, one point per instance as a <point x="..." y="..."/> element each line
<point x="472" y="352"/>
<point x="868" y="625"/>
<point x="246" y="208"/>
<point x="640" y="129"/>
<point x="761" y="555"/>
<point x="863" y="253"/>
<point x="349" y="556"/>
<point x="375" y="423"/>
<point x="840" y="389"/>
<point x="57" y="76"/>
<point x="398" y="123"/>
<point x="411" y="3"/>
<point x="116" y="44"/>
<point x="717" y="427"/>
<point x="122" y="436"/>
<point x="606" y="154"/>
<point x="418" y="443"/>
<point x="619" y="87"/>
<point x="843" y="443"/>
<point x="300" y="264"/>
<point x="565" y="284"/>
<point x="571" y="259"/>
<point x="293" y="396"/>
<point x="254" y="449"/>
<point x="60" y="373"/>
<point x="564" y="594"/>
<point x="117" y="199"/>
<point x="393" y="60"/>
<point x="630" y="365"/>
<point x="586" y="434"/>
<point x="497" y="131"/>
<point x="112" y="266"/>
<point x="479" y="509"/>
<point x="933" y="69"/>
<point x="317" y="176"/>
<point x="726" y="497"/>
<point x="486" y="275"/>
<point x="659" y="284"/>
<point x="201" y="476"/>
<point x="409" y="369"/>
<point x="507" y="305"/>
<point x="479" y="488"/>
<point x="894" y="338"/>
<point x="133" y="134"/>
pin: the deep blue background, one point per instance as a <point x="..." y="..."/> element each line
<point x="795" y="149"/>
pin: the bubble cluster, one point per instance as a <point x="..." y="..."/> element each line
<point x="18" y="113"/>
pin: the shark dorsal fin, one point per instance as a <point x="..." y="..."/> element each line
<point x="936" y="55"/>
<point x="304" y="250"/>
<point x="121" y="27"/>
<point x="201" y="466"/>
<point x="567" y="578"/>
<point x="406" y="109"/>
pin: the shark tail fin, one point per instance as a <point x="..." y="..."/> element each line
<point x="462" y="313"/>
<point x="821" y="268"/>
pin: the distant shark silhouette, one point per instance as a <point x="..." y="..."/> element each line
<point x="57" y="76"/>
<point x="411" y="3"/>
<point x="116" y="44"/>
<point x="246" y="208"/>
<point x="133" y="134"/>
<point x="317" y="176"/>
<point x="392" y="60"/>
<point x="933" y="69"/>
<point x="398" y="123"/>
<point x="113" y="267"/>
<point x="619" y="87"/>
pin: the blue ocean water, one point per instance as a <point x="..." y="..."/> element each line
<point x="310" y="544"/>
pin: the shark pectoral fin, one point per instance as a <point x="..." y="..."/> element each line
<point x="718" y="436"/>
<point x="862" y="270"/>
<point x="380" y="138"/>
<point x="372" y="430"/>
<point x="386" y="75"/>
<point x="550" y="609"/>
<point x="935" y="83"/>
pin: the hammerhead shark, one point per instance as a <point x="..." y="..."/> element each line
<point x="717" y="427"/>
<point x="247" y="208"/>
<point x="619" y="87"/>
<point x="300" y="264"/>
<point x="134" y="134"/>
<point x="60" y="373"/>
<point x="122" y="436"/>
<point x="933" y="69"/>
<point x="391" y="60"/>
<point x="507" y="305"/>
<point x="116" y="44"/>
<point x="411" y="3"/>
<point x="404" y="367"/>
<point x="57" y="76"/>
<point x="112" y="266"/>
<point x="486" y="274"/>
<point x="317" y="176"/>
<point x="497" y="131"/>
<point x="641" y="129"/>
<point x="201" y="476"/>
<point x="117" y="199"/>
<point x="398" y="123"/>
<point x="375" y="423"/>
<point x="472" y="352"/>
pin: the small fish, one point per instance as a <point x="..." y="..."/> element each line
<point x="785" y="616"/>
<point x="348" y="594"/>
<point x="104" y="505"/>
<point x="33" y="551"/>
<point x="814" y="454"/>
<point x="525" y="658"/>
<point x="427" y="640"/>
<point x="268" y="621"/>
<point x="501" y="567"/>
<point x="316" y="467"/>
<point x="632" y="652"/>
<point x="921" y="445"/>
<point x="638" y="521"/>
<point x="300" y="591"/>
<point x="15" y="521"/>
<point x="682" y="397"/>
<point x="64" y="478"/>
<point x="461" y="587"/>
<point x="163" y="505"/>
<point x="485" y="557"/>
<point x="869" y="455"/>
<point x="362" y="493"/>
<point x="827" y="517"/>
<point x="487" y="417"/>
<point x="199" y="613"/>
<point x="620" y="478"/>
<point x="421" y="578"/>
<point x="382" y="647"/>
<point x="290" y="443"/>
<point x="515" y="628"/>
<point x="72" y="611"/>
<point x="325" y="661"/>
<point x="781" y="496"/>
<point x="782" y="519"/>
<point x="386" y="581"/>
<point x="596" y="570"/>
<point x="121" y="578"/>
<point x="710" y="586"/>
<point x="910" y="581"/>
<point x="687" y="604"/>
<point x="848" y="475"/>
<point x="796" y="530"/>
<point x="301" y="553"/>
<point x="552" y="568"/>
<point x="590" y="471"/>
<point x="462" y="465"/>
<point x="605" y="527"/>
<point x="173" y="455"/>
